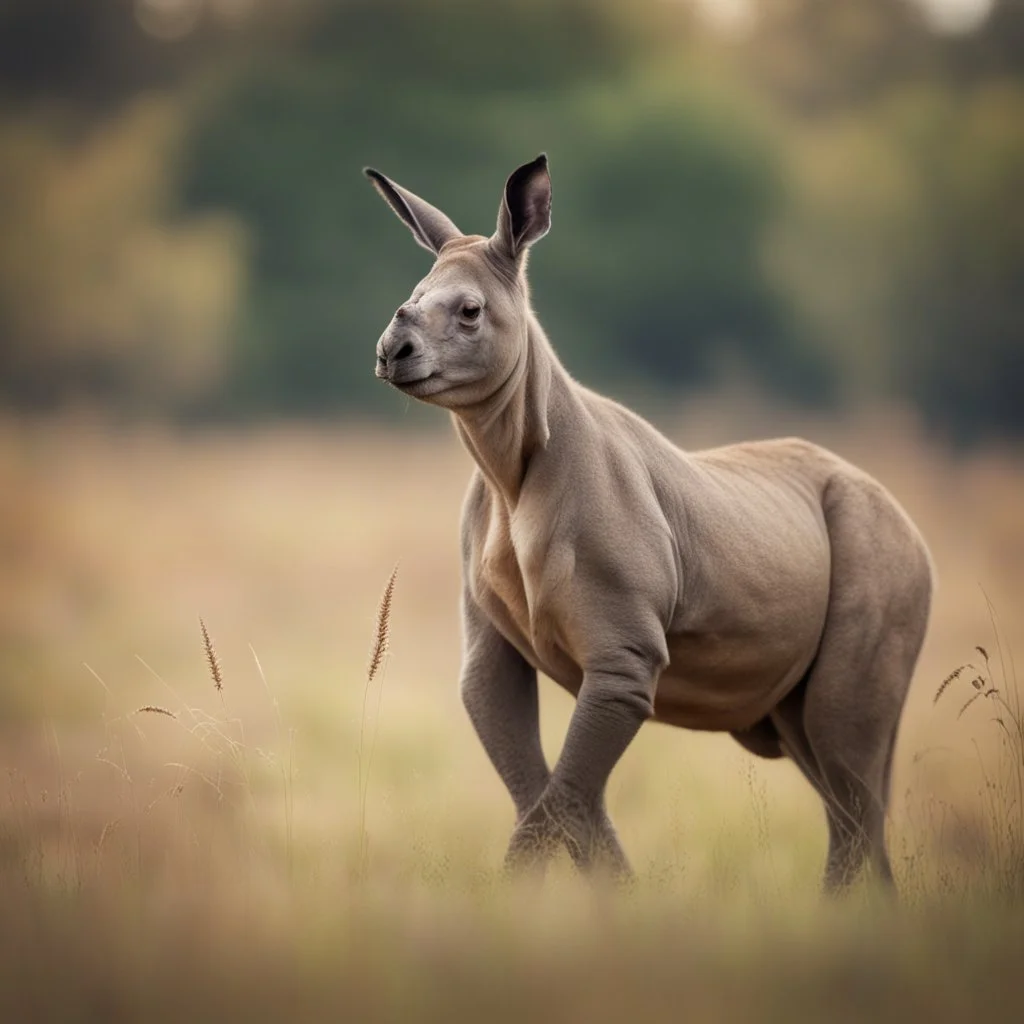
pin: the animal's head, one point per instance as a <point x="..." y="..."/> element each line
<point x="464" y="328"/>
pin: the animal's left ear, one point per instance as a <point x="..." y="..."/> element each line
<point x="429" y="226"/>
<point x="525" y="213"/>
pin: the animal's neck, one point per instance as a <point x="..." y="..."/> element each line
<point x="506" y="430"/>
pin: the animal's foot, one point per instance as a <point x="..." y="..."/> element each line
<point x="611" y="860"/>
<point x="560" y="818"/>
<point x="535" y="840"/>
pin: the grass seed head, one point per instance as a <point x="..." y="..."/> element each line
<point x="154" y="709"/>
<point x="211" y="657"/>
<point x="948" y="681"/>
<point x="382" y="629"/>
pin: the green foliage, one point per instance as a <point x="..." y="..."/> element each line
<point x="826" y="205"/>
<point x="960" y="307"/>
<point x="102" y="293"/>
<point x="663" y="190"/>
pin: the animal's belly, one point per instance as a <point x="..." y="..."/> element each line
<point x="715" y="682"/>
<point x="727" y="685"/>
<point x="694" y="693"/>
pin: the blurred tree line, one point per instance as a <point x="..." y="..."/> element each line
<point x="823" y="197"/>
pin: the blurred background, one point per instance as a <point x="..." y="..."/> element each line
<point x="770" y="216"/>
<point x="821" y="199"/>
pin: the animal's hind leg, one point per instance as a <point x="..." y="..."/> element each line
<point x="847" y="810"/>
<point x="855" y="691"/>
<point x="853" y="759"/>
<point x="845" y="752"/>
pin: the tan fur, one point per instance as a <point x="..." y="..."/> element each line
<point x="767" y="589"/>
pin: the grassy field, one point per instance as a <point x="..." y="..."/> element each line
<point x="301" y="845"/>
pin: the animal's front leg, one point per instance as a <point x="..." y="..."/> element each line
<point x="499" y="691"/>
<point x="610" y="709"/>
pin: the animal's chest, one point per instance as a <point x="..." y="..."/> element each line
<point x="512" y="583"/>
<point x="501" y="578"/>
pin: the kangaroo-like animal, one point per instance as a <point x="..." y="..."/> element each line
<point x="770" y="590"/>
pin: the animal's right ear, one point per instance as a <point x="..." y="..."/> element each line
<point x="429" y="226"/>
<point x="525" y="212"/>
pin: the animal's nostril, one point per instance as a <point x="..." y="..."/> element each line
<point x="405" y="351"/>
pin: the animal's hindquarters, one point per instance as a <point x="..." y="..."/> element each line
<point x="841" y="724"/>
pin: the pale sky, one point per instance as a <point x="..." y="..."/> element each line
<point x="173" y="19"/>
<point x="949" y="15"/>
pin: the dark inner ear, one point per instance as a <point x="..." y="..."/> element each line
<point x="526" y="207"/>
<point x="429" y="226"/>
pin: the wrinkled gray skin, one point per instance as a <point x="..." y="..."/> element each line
<point x="770" y="590"/>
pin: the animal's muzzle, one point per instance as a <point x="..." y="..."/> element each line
<point x="396" y="350"/>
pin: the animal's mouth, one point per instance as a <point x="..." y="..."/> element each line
<point x="395" y="375"/>
<point x="409" y="385"/>
<point x="423" y="389"/>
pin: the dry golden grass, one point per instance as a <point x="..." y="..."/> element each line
<point x="320" y="839"/>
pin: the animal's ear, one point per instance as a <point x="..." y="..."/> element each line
<point x="429" y="226"/>
<point x="525" y="213"/>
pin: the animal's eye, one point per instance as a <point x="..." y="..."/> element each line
<point x="470" y="311"/>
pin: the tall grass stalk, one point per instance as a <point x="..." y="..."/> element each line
<point x="287" y="769"/>
<point x="375" y="671"/>
<point x="995" y="685"/>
